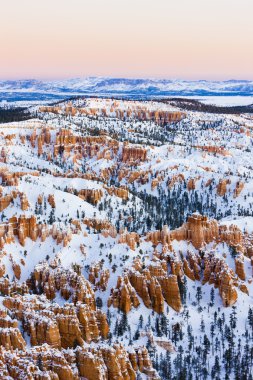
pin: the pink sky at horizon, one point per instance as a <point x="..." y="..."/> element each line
<point x="187" y="39"/>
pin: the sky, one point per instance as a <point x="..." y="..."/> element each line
<point x="186" y="39"/>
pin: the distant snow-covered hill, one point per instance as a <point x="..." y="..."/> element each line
<point x="13" y="90"/>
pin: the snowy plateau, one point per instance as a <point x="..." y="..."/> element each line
<point x="126" y="232"/>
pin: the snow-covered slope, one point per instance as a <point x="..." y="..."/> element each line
<point x="126" y="243"/>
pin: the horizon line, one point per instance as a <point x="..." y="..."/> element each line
<point x="123" y="77"/>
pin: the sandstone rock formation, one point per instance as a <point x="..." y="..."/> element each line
<point x="238" y="189"/>
<point x="51" y="200"/>
<point x="67" y="282"/>
<point x="123" y="296"/>
<point x="92" y="196"/>
<point x="11" y="338"/>
<point x="222" y="187"/>
<point x="239" y="267"/>
<point x="133" y="154"/>
<point x="98" y="276"/>
<point x="154" y="286"/>
<point x="103" y="363"/>
<point x="131" y="239"/>
<point x="200" y="231"/>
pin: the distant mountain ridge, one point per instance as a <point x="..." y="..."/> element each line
<point x="125" y="86"/>
<point x="122" y="87"/>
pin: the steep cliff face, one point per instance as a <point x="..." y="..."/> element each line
<point x="64" y="142"/>
<point x="124" y="110"/>
<point x="155" y="286"/>
<point x="222" y="187"/>
<point x="239" y="267"/>
<point x="162" y="236"/>
<point x="177" y="178"/>
<point x="191" y="185"/>
<point x="238" y="189"/>
<point x="188" y="271"/>
<point x="11" y="338"/>
<point x="104" y="363"/>
<point x="100" y="225"/>
<point x="50" y="328"/>
<point x="218" y="273"/>
<point x="68" y="145"/>
<point x="228" y="292"/>
<point x="199" y="231"/>
<point x="51" y="200"/>
<point x="8" y="199"/>
<point x="131" y="239"/>
<point x="121" y="192"/>
<point x="98" y="276"/>
<point x="71" y="285"/>
<point x="133" y="154"/>
<point x="27" y="227"/>
<point x="232" y="235"/>
<point x="92" y="196"/>
<point x="5" y="202"/>
<point x="59" y="327"/>
<point x="214" y="150"/>
<point x="11" y="178"/>
<point x="2" y="269"/>
<point x="22" y="227"/>
<point x="41" y="330"/>
<point x="24" y="202"/>
<point x="123" y="296"/>
<point x="16" y="270"/>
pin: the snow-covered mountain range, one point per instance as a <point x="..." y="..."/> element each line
<point x="44" y="90"/>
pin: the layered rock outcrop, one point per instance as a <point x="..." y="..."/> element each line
<point x="124" y="296"/>
<point x="99" y="276"/>
<point x="72" y="286"/>
<point x="121" y="192"/>
<point x="133" y="154"/>
<point x="239" y="267"/>
<point x="200" y="231"/>
<point x="217" y="272"/>
<point x="222" y="187"/>
<point x="24" y="228"/>
<point x="152" y="284"/>
<point x="100" y="363"/>
<point x="5" y="201"/>
<point x="238" y="189"/>
<point x="129" y="238"/>
<point x="92" y="196"/>
<point x="59" y="327"/>
<point x="11" y="338"/>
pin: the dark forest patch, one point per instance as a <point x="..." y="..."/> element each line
<point x="8" y="115"/>
<point x="195" y="105"/>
